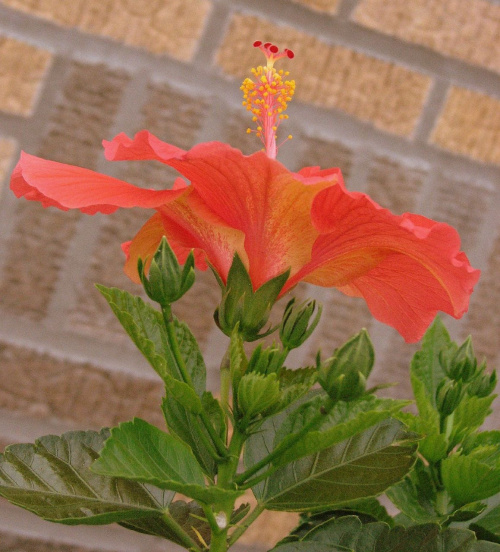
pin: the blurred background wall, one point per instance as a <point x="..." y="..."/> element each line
<point x="403" y="95"/>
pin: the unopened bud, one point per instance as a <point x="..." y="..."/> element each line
<point x="448" y="396"/>
<point x="167" y="281"/>
<point x="296" y="325"/>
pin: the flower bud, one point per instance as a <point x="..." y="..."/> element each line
<point x="268" y="360"/>
<point x="483" y="385"/>
<point x="344" y="375"/>
<point x="449" y="393"/>
<point x="257" y="395"/>
<point x="296" y="325"/>
<point x="167" y="281"/>
<point x="241" y="306"/>
<point x="462" y="366"/>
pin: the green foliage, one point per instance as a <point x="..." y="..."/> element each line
<point x="350" y="534"/>
<point x="141" y="452"/>
<point x="52" y="479"/>
<point x="145" y="326"/>
<point x="363" y="465"/>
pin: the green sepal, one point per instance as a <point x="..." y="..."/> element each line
<point x="344" y="375"/>
<point x="257" y="395"/>
<point x="242" y="306"/>
<point x="167" y="281"/>
<point x="296" y="326"/>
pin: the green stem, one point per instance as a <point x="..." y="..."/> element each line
<point x="246" y="524"/>
<point x="313" y="424"/>
<point x="225" y="382"/>
<point x="174" y="345"/>
<point x="179" y="532"/>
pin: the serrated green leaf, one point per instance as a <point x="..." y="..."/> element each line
<point x="52" y="479"/>
<point x="362" y="466"/>
<point x="469" y="416"/>
<point x="215" y="413"/>
<point x="350" y="533"/>
<point x="489" y="523"/>
<point x="468" y="478"/>
<point x="257" y="394"/>
<point x="181" y="422"/>
<point x="140" y="451"/>
<point x="425" y="365"/>
<point x="345" y="420"/>
<point x="145" y="326"/>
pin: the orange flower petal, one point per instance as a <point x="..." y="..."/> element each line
<point x="68" y="187"/>
<point x="406" y="267"/>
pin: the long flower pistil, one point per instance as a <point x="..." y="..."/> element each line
<point x="267" y="96"/>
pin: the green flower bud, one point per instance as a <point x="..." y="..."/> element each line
<point x="462" y="366"/>
<point x="449" y="393"/>
<point x="257" y="395"/>
<point x="344" y="375"/>
<point x="266" y="360"/>
<point x="296" y="325"/>
<point x="167" y="281"/>
<point x="242" y="306"/>
<point x="484" y="384"/>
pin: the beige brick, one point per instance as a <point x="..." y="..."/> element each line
<point x="464" y="29"/>
<point x="7" y="150"/>
<point x="462" y="205"/>
<point x="83" y="116"/>
<point x="160" y="27"/>
<point x="326" y="154"/>
<point x="483" y="319"/>
<point x="10" y="542"/>
<point x="394" y="185"/>
<point x="325" y="6"/>
<point x="22" y="70"/>
<point x="175" y="118"/>
<point x="237" y="136"/>
<point x="46" y="387"/>
<point x="35" y="252"/>
<point x="470" y="125"/>
<point x="342" y="318"/>
<point x="388" y="96"/>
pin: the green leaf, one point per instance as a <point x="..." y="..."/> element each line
<point x="310" y="547"/>
<point x="215" y="413"/>
<point x="489" y="524"/>
<point x="140" y="451"/>
<point x="425" y="365"/>
<point x="146" y="328"/>
<point x="52" y="479"/>
<point x="257" y="394"/>
<point x="362" y="466"/>
<point x="350" y="533"/>
<point x="470" y="478"/>
<point x="345" y="420"/>
<point x="469" y="416"/>
<point x="185" y="425"/>
<point x="415" y="496"/>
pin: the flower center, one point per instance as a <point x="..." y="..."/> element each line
<point x="267" y="96"/>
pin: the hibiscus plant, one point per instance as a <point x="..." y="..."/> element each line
<point x="315" y="440"/>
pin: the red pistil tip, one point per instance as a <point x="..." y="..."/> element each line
<point x="272" y="52"/>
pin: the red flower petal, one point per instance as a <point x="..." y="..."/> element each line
<point x="406" y="267"/>
<point x="68" y="187"/>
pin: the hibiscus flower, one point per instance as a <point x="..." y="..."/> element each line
<point x="407" y="268"/>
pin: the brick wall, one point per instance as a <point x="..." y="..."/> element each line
<point x="403" y="95"/>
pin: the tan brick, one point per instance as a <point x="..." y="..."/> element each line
<point x="325" y="6"/>
<point x="160" y="27"/>
<point x="326" y="154"/>
<point x="7" y="150"/>
<point x="35" y="252"/>
<point x="22" y="70"/>
<point x="483" y="319"/>
<point x="10" y="542"/>
<point x="464" y="29"/>
<point x="342" y="318"/>
<point x="44" y="386"/>
<point x="462" y="205"/>
<point x="237" y="136"/>
<point x="388" y="96"/>
<point x="394" y="185"/>
<point x="175" y="118"/>
<point x="470" y="125"/>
